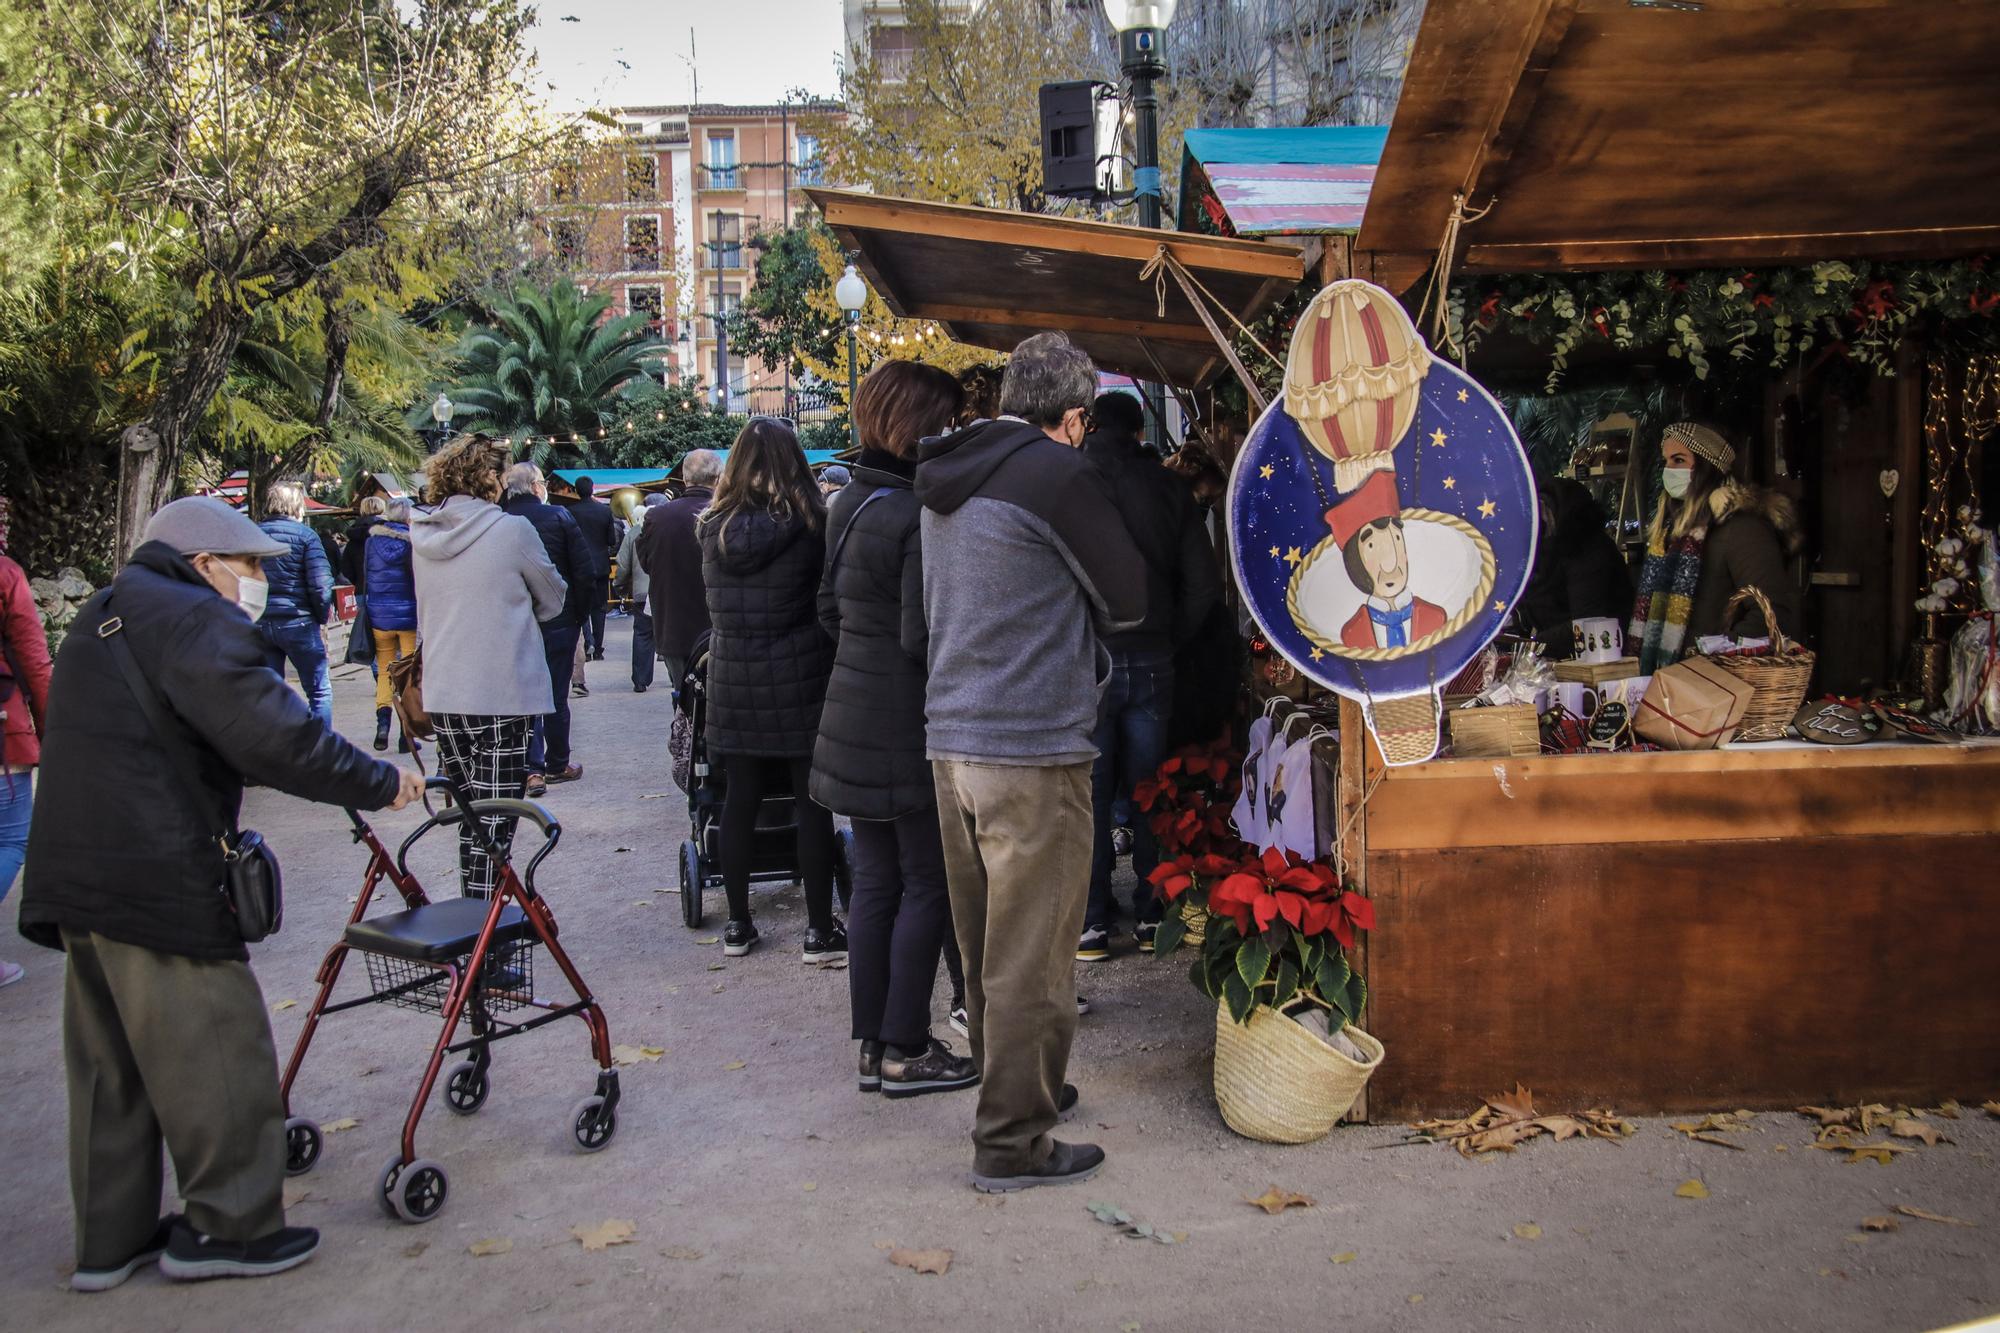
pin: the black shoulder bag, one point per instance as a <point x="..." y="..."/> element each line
<point x="251" y="885"/>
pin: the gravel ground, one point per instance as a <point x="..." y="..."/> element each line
<point x="764" y="1190"/>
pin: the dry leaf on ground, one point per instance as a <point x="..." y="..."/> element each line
<point x="1908" y="1211"/>
<point x="1527" y="1231"/>
<point x="681" y="1252"/>
<point x="335" y="1126"/>
<point x="1345" y="1257"/>
<point x="735" y="1065"/>
<point x="1880" y="1224"/>
<point x="611" y="1231"/>
<point x="922" y="1261"/>
<point x="1708" y="1127"/>
<point x="1275" y="1200"/>
<point x="283" y="1005"/>
<point x="1948" y="1109"/>
<point x="1880" y="1151"/>
<point x="1691" y="1189"/>
<point x="1917" y="1129"/>
<point x="709" y="939"/>
<point x="1991" y="1108"/>
<point x="481" y="1249"/>
<point x="415" y="1248"/>
<point x="632" y="1055"/>
<point x="1510" y="1119"/>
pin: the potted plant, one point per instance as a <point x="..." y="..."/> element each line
<point x="1187" y="803"/>
<point x="1289" y="1059"/>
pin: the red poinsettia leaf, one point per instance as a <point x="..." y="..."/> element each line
<point x="1237" y="888"/>
<point x="1299" y="877"/>
<point x="1211" y="865"/>
<point x="1292" y="908"/>
<point x="1343" y="930"/>
<point x="1317" y="917"/>
<point x="1265" y="909"/>
<point x="1174" y="886"/>
<point x="1172" y="765"/>
<point x="1273" y="862"/>
<point x="1358" y="910"/>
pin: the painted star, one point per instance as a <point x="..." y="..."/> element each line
<point x="1487" y="508"/>
<point x="1317" y="654"/>
<point x="1499" y="605"/>
<point x="1265" y="471"/>
<point x="1274" y="552"/>
<point x="1463" y="396"/>
<point x="1292" y="556"/>
<point x="1451" y="483"/>
<point x="1437" y="438"/>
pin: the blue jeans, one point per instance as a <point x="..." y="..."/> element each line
<point x="1131" y="742"/>
<point x="548" y="737"/>
<point x="300" y="643"/>
<point x="17" y="798"/>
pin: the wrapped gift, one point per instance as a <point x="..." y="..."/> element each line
<point x="1692" y="705"/>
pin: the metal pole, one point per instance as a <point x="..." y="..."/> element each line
<point x="1144" y="67"/>
<point x="853" y="380"/>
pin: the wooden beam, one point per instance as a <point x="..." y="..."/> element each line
<point x="1056" y="319"/>
<point x="1725" y="250"/>
<point x="1511" y="124"/>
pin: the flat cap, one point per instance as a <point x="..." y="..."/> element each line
<point x="203" y="523"/>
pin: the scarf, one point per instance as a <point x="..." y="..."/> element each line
<point x="1396" y="622"/>
<point x="1666" y="595"/>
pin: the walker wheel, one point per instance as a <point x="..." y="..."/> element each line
<point x="385" y="1185"/>
<point x="419" y="1192"/>
<point x="303" y="1142"/>
<point x="593" y="1123"/>
<point x="465" y="1088"/>
<point x="691" y="878"/>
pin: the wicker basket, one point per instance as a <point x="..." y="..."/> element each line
<point x="1278" y="1083"/>
<point x="1196" y="916"/>
<point x="1779" y="679"/>
<point x="1496" y="731"/>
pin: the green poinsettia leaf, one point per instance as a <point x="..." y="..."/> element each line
<point x="1171" y="931"/>
<point x="1352" y="998"/>
<point x="1198" y="974"/>
<point x="1288" y="984"/>
<point x="1253" y="961"/>
<point x="1239" y="997"/>
<point x="1310" y="953"/>
<point x="1330" y="977"/>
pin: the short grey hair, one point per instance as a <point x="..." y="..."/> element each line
<point x="701" y="467"/>
<point x="1048" y="376"/>
<point x="287" y="498"/>
<point x="520" y="479"/>
<point x="398" y="510"/>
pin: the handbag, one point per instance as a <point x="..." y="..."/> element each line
<point x="252" y="887"/>
<point x="360" y="636"/>
<point x="406" y="683"/>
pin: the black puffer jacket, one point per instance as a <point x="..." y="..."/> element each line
<point x="869" y="762"/>
<point x="157" y="883"/>
<point x="569" y="551"/>
<point x="1182" y="582"/>
<point x="769" y="659"/>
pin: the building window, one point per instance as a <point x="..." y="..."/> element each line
<point x="725" y="240"/>
<point x="812" y="169"/>
<point x="642" y="243"/>
<point x="722" y="159"/>
<point x="651" y="301"/>
<point x="563" y="182"/>
<point x="566" y="238"/>
<point x="893" y="51"/>
<point x="642" y="179"/>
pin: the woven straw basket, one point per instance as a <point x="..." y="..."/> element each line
<point x="1196" y="917"/>
<point x="1278" y="1083"/>
<point x="1779" y="680"/>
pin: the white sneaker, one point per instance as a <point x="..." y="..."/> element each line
<point x="11" y="973"/>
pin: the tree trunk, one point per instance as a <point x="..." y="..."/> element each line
<point x="149" y="459"/>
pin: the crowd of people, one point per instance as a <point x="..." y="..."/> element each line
<point x="964" y="643"/>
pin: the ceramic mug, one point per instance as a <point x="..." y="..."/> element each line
<point x="1598" y="639"/>
<point x="1575" y="698"/>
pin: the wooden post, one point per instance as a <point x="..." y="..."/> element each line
<point x="1360" y="761"/>
<point x="1906" y="554"/>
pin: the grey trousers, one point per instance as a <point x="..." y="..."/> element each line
<point x="163" y="1047"/>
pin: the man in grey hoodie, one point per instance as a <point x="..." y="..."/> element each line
<point x="1026" y="564"/>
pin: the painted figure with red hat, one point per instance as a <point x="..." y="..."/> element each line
<point x="1368" y="528"/>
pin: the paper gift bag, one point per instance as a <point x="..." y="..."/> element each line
<point x="1692" y="705"/>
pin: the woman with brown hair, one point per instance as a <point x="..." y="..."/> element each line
<point x="762" y="542"/>
<point x="483" y="583"/>
<point x="869" y="763"/>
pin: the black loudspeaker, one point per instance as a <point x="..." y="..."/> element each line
<point x="1069" y="139"/>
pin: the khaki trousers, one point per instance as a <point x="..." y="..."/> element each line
<point x="159" y="1046"/>
<point x="1017" y="855"/>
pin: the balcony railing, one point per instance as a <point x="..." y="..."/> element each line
<point x="723" y="177"/>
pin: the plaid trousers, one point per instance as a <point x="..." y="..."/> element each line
<point x="488" y="756"/>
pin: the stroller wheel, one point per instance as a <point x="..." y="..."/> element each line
<point x="691" y="878"/>
<point x="465" y="1088"/>
<point x="593" y="1123"/>
<point x="302" y="1145"/>
<point x="420" y="1192"/>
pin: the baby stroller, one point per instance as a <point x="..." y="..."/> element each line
<point x="774" y="859"/>
<point x="470" y="958"/>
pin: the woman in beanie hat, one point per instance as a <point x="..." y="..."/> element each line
<point x="1711" y="536"/>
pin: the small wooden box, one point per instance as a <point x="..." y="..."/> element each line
<point x="1496" y="732"/>
<point x="1596" y="673"/>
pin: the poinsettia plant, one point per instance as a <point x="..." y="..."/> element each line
<point x="1277" y="933"/>
<point x="1189" y="798"/>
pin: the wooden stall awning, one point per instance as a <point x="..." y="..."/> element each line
<point x="1690" y="133"/>
<point x="994" y="277"/>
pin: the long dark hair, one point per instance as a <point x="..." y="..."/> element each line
<point x="767" y="473"/>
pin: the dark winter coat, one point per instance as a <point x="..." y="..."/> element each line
<point x="869" y="762"/>
<point x="768" y="659"/>
<point x="1578" y="571"/>
<point x="392" y="588"/>
<point x="569" y="551"/>
<point x="1753" y="541"/>
<point x="600" y="533"/>
<point x="1182" y="581"/>
<point x="671" y="555"/>
<point x="354" y="560"/>
<point x="157" y="884"/>
<point x="301" y="579"/>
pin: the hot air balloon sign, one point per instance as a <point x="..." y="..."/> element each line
<point x="1381" y="515"/>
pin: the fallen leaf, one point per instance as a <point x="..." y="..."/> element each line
<point x="1917" y="1129"/>
<point x="1417" y="1300"/>
<point x="710" y="939"/>
<point x="1691" y="1189"/>
<point x="1130" y="1326"/>
<point x="1718" y="1142"/>
<point x="1275" y="1201"/>
<point x="283" y="1005"/>
<point x="811" y="1185"/>
<point x="1830" y="1115"/>
<point x="735" y="1065"/>
<point x="681" y="1252"/>
<point x="1856" y="1239"/>
<point x="1880" y="1153"/>
<point x="632" y="1055"/>
<point x="1949" y="1109"/>
<point x="922" y="1261"/>
<point x="335" y="1126"/>
<point x="1880" y="1224"/>
<point x="642" y="902"/>
<point x="1908" y="1211"/>
<point x="1517" y="1105"/>
<point x="1505" y="1121"/>
<point x="415" y="1248"/>
<point x="885" y="1245"/>
<point x="1527" y="1231"/>
<point x="1345" y="1257"/>
<point x="717" y="967"/>
<point x="480" y="1249"/>
<point x="1991" y="1108"/>
<point x="372" y="1069"/>
<point x="611" y="1231"/>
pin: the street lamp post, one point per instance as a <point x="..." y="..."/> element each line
<point x="852" y="293"/>
<point x="441" y="409"/>
<point x="1142" y="56"/>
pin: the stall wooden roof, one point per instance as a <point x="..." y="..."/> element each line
<point x="994" y="277"/>
<point x="1688" y="133"/>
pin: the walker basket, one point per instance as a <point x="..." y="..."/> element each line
<point x="1278" y="1083"/>
<point x="1779" y="679"/>
<point x="507" y="981"/>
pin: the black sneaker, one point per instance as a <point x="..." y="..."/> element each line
<point x="871" y="1066"/>
<point x="1144" y="932"/>
<point x="938" y="1069"/>
<point x="1094" y="945"/>
<point x="104" y="1279"/>
<point x="825" y="948"/>
<point x="1121" y="841"/>
<point x="1069" y="1162"/>
<point x="192" y="1257"/>
<point x="959" y="1022"/>
<point x="738" y="938"/>
<point x="1067" y="1102"/>
<point x="1082" y="1006"/>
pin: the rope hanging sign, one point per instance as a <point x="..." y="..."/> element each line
<point x="1382" y="515"/>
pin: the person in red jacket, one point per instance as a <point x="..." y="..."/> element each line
<point x="24" y="702"/>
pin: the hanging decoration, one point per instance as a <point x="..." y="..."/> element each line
<point x="1382" y="515"/>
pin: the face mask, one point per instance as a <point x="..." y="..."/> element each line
<point x="251" y="595"/>
<point x="1676" y="480"/>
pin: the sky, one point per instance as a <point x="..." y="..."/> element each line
<point x="635" y="52"/>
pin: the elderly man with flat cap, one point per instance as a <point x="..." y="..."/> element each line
<point x="165" y="1035"/>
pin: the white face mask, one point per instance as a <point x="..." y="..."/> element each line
<point x="251" y="595"/>
<point x="1676" y="480"/>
